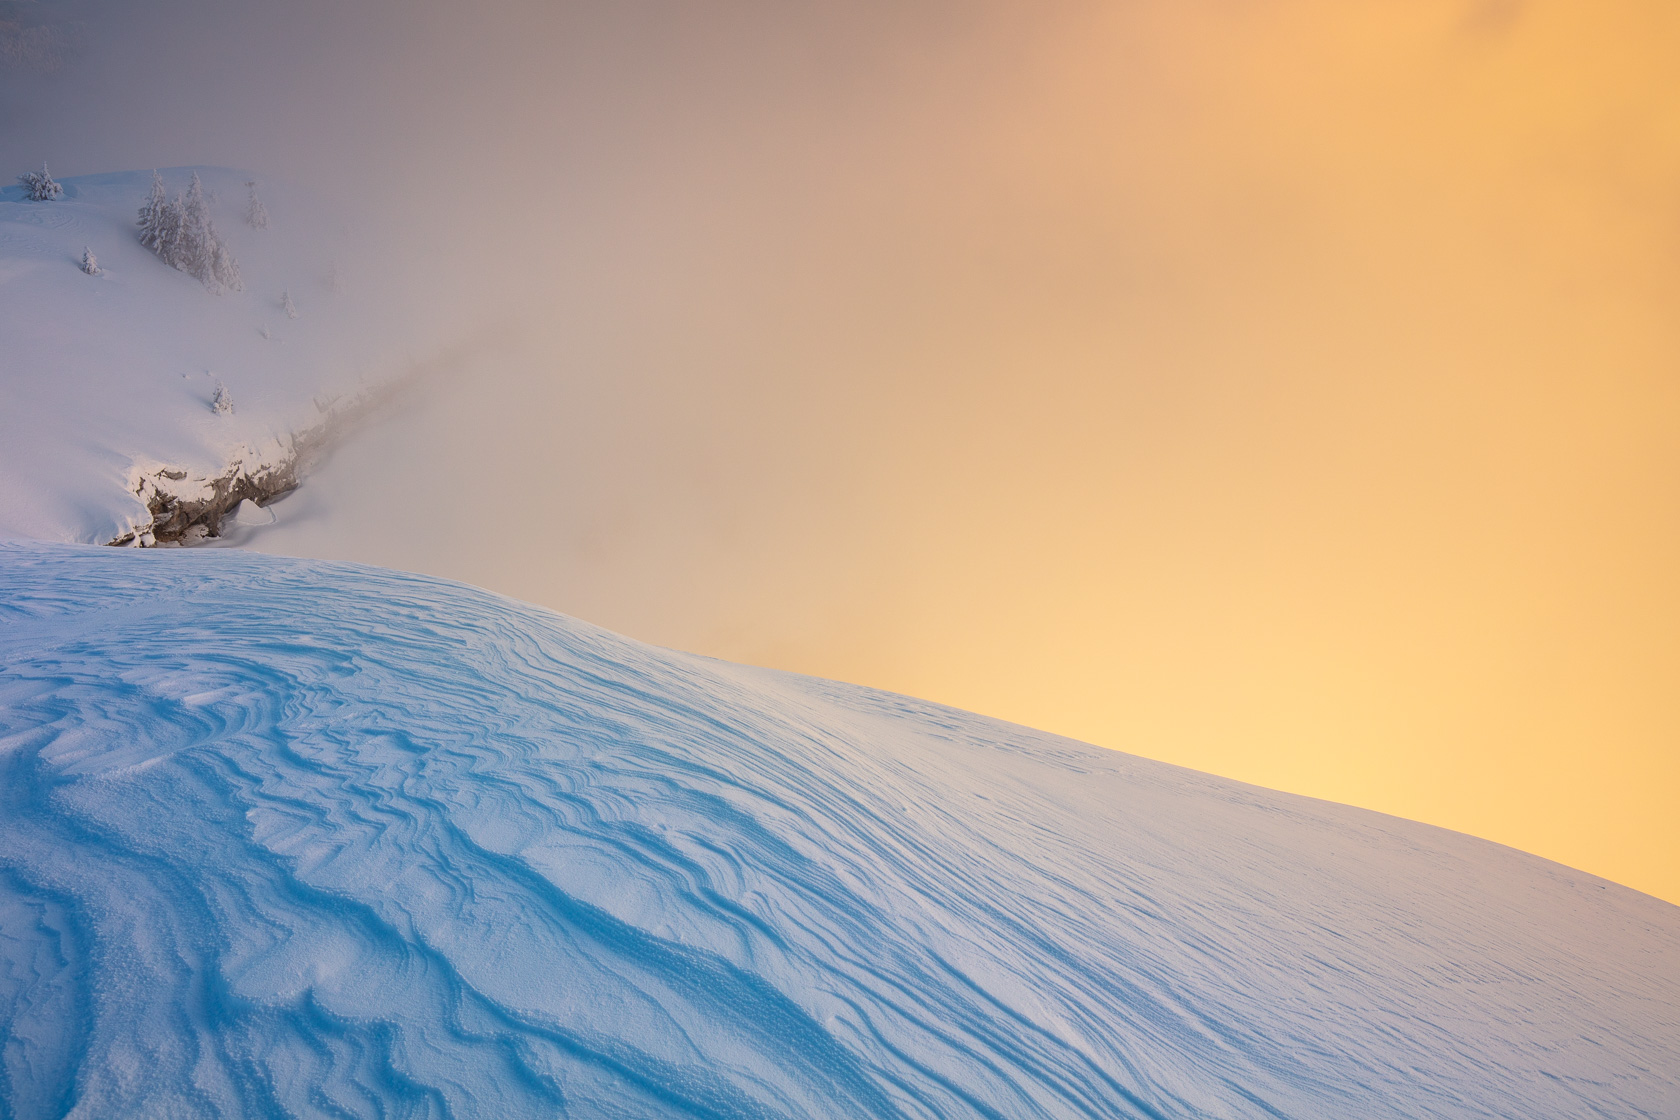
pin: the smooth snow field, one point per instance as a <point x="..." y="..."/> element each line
<point x="288" y="838"/>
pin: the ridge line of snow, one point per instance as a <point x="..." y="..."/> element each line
<point x="286" y="836"/>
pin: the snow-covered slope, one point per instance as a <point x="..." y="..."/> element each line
<point x="108" y="380"/>
<point x="285" y="838"/>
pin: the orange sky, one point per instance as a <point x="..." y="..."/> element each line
<point x="1370" y="483"/>
<point x="1339" y="449"/>
<point x="1287" y="390"/>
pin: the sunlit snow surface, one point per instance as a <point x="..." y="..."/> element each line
<point x="285" y="838"/>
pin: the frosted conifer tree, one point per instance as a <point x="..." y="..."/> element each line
<point x="287" y="305"/>
<point x="39" y="186"/>
<point x="256" y="214"/>
<point x="222" y="402"/>
<point x="222" y="265"/>
<point x="196" y="247"/>
<point x="157" y="220"/>
<point x="90" y="263"/>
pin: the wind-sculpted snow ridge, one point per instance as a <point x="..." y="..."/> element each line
<point x="285" y="838"/>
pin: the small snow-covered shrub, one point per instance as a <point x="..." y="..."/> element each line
<point x="90" y="263"/>
<point x="222" y="402"/>
<point x="287" y="305"/>
<point x="39" y="186"/>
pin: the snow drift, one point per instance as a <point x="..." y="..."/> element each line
<point x="287" y="838"/>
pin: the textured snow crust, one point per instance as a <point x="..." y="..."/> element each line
<point x="287" y="838"/>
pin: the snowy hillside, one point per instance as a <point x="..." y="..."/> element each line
<point x="108" y="381"/>
<point x="285" y="838"/>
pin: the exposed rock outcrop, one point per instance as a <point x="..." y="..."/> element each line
<point x="182" y="508"/>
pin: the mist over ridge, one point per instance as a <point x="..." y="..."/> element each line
<point x="726" y="431"/>
<point x="1279" y="390"/>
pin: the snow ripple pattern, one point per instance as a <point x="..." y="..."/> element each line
<point x="285" y="838"/>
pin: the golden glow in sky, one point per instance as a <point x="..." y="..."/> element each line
<point x="1340" y="449"/>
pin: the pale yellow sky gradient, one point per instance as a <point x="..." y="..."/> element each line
<point x="1326" y="431"/>
<point x="1359" y="472"/>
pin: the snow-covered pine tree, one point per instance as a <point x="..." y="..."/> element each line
<point x="287" y="305"/>
<point x="170" y="247"/>
<point x="222" y="265"/>
<point x="195" y="248"/>
<point x="90" y="263"/>
<point x="256" y="214"/>
<point x="222" y="403"/>
<point x="39" y="186"/>
<point x="157" y="220"/>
